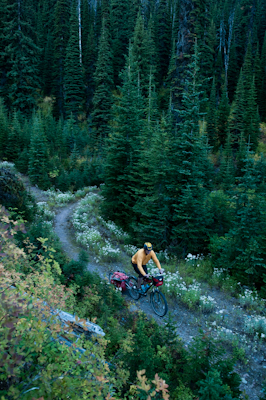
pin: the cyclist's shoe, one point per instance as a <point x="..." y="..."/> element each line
<point x="142" y="292"/>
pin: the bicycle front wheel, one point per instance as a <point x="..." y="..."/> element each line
<point x="132" y="286"/>
<point x="159" y="303"/>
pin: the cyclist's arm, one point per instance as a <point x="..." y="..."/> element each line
<point x="155" y="259"/>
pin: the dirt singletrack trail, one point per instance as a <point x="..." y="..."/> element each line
<point x="187" y="322"/>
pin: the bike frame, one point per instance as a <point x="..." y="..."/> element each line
<point x="152" y="286"/>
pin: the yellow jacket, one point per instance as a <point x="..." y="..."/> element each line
<point x="141" y="258"/>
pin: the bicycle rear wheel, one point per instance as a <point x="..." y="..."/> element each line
<point x="132" y="284"/>
<point x="159" y="303"/>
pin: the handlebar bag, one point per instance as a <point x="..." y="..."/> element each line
<point x="157" y="280"/>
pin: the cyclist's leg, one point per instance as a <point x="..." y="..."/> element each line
<point x="140" y="276"/>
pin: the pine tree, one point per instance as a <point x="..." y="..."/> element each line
<point x="38" y="156"/>
<point x="89" y="63"/>
<point x="261" y="95"/>
<point x="61" y="37"/>
<point x="233" y="71"/>
<point x="3" y="129"/>
<point x="143" y="50"/>
<point x="219" y="73"/>
<point x="48" y="65"/>
<point x="73" y="78"/>
<point x="251" y="117"/>
<point x="152" y="207"/>
<point x="190" y="172"/>
<point x="123" y="146"/>
<point x="120" y="34"/>
<point x="102" y="99"/>
<point x="222" y="117"/>
<point x="163" y="36"/>
<point x="14" y="138"/>
<point x="242" y="249"/>
<point x="5" y="61"/>
<point x="184" y="47"/>
<point x="22" y="54"/>
<point x="211" y="118"/>
<point x="237" y="125"/>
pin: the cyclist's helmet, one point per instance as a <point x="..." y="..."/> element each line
<point x="147" y="246"/>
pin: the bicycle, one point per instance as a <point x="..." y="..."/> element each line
<point x="157" y="298"/>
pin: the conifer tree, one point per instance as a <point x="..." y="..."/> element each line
<point x="87" y="20"/>
<point x="163" y="36"/>
<point x="262" y="97"/>
<point x="142" y="49"/>
<point x="219" y="75"/>
<point x="152" y="208"/>
<point x="222" y="117"/>
<point x="22" y="53"/>
<point x="233" y="72"/>
<point x="14" y="138"/>
<point x="48" y="61"/>
<point x="103" y="77"/>
<point x="251" y="117"/>
<point x="257" y="72"/>
<point x="237" y="125"/>
<point x="5" y="62"/>
<point x="61" y="37"/>
<point x="3" y="129"/>
<point x="242" y="249"/>
<point x="123" y="147"/>
<point x="211" y="118"/>
<point x="89" y="62"/>
<point x="38" y="156"/>
<point x="120" y="33"/>
<point x="227" y="170"/>
<point x="73" y="78"/>
<point x="190" y="172"/>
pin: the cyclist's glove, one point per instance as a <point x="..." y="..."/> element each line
<point x="161" y="271"/>
<point x="147" y="275"/>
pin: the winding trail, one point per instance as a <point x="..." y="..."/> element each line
<point x="187" y="322"/>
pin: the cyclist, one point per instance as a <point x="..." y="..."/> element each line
<point x="140" y="259"/>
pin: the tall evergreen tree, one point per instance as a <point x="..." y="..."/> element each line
<point x="102" y="99"/>
<point x="89" y="63"/>
<point x="22" y="53"/>
<point x="5" y="62"/>
<point x="13" y="143"/>
<point x="163" y="36"/>
<point x="242" y="249"/>
<point x="3" y="129"/>
<point x="152" y="208"/>
<point x="123" y="148"/>
<point x="222" y="117"/>
<point x="120" y="33"/>
<point x="233" y="71"/>
<point x="61" y="35"/>
<point x="190" y="172"/>
<point x="142" y="49"/>
<point x="237" y="125"/>
<point x="38" y="155"/>
<point x="211" y="118"/>
<point x="262" y="97"/>
<point x="73" y="79"/>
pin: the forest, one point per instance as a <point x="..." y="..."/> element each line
<point x="162" y="101"/>
<point x="161" y="104"/>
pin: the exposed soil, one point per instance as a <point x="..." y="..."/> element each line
<point x="188" y="322"/>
